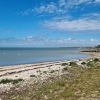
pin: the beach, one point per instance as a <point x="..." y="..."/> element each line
<point x="24" y="71"/>
<point x="50" y="50"/>
<point x="38" y="72"/>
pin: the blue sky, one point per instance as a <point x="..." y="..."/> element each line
<point x="49" y="23"/>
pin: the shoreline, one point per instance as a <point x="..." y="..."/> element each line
<point x="92" y="54"/>
<point x="11" y="71"/>
<point x="20" y="68"/>
<point x="41" y="62"/>
<point x="25" y="67"/>
<point x="44" y="62"/>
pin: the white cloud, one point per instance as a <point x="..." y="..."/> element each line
<point x="74" y="25"/>
<point x="84" y="1"/>
<point x="62" y="3"/>
<point x="92" y="40"/>
<point x="72" y="42"/>
<point x="49" y="8"/>
<point x="61" y="7"/>
<point x="38" y="41"/>
<point x="97" y="1"/>
<point x="92" y="15"/>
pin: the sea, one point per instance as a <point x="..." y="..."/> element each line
<point x="14" y="56"/>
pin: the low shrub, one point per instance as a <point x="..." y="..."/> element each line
<point x="83" y="63"/>
<point x="91" y="64"/>
<point x="96" y="60"/>
<point x="65" y="68"/>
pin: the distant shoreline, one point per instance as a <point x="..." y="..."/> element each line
<point x="92" y="54"/>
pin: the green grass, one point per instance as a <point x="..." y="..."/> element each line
<point x="93" y="63"/>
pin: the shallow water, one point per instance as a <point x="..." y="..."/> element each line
<point x="12" y="56"/>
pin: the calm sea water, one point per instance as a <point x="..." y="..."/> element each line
<point x="12" y="56"/>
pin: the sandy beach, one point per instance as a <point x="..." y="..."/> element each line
<point x="93" y="54"/>
<point x="24" y="71"/>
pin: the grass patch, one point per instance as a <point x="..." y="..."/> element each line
<point x="73" y="64"/>
<point x="94" y="63"/>
<point x="64" y="64"/>
<point x="83" y="85"/>
<point x="13" y="81"/>
<point x="91" y="64"/>
<point x="65" y="68"/>
<point x="45" y="72"/>
<point x="96" y="60"/>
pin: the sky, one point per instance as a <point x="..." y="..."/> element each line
<point x="49" y="23"/>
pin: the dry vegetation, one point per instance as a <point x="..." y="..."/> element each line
<point x="81" y="83"/>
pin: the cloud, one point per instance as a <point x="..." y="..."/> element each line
<point x="92" y="16"/>
<point x="31" y="41"/>
<point x="49" y="8"/>
<point x="73" y="42"/>
<point x="27" y="40"/>
<point x="61" y="7"/>
<point x="84" y="1"/>
<point x="62" y="3"/>
<point x="97" y="1"/>
<point x="92" y="40"/>
<point x="26" y="12"/>
<point x="84" y="24"/>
